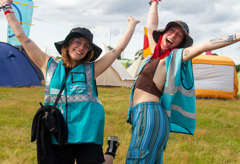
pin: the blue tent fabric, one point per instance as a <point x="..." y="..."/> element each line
<point x="15" y="69"/>
<point x="38" y="71"/>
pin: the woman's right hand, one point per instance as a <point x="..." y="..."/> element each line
<point x="2" y="2"/>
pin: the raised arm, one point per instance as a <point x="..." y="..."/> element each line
<point x="152" y="23"/>
<point x="195" y="50"/>
<point x="103" y="63"/>
<point x="35" y="53"/>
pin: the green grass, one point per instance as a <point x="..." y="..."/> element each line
<point x="216" y="139"/>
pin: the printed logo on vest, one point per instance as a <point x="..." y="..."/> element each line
<point x="55" y="91"/>
<point x="78" y="88"/>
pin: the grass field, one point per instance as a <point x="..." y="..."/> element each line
<point x="216" y="139"/>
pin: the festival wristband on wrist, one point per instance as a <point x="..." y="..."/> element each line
<point x="8" y="11"/>
<point x="7" y="8"/>
<point x="152" y="2"/>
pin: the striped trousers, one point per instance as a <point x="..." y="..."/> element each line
<point x="150" y="132"/>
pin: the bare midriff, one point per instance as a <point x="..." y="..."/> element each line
<point x="143" y="96"/>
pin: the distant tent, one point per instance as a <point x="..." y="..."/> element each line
<point x="215" y="77"/>
<point x="16" y="69"/>
<point x="115" y="75"/>
<point x="126" y="62"/>
<point x="134" y="68"/>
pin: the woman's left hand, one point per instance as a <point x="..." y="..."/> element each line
<point x="132" y="20"/>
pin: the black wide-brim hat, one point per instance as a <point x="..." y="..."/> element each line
<point x="78" y="32"/>
<point x="187" y="41"/>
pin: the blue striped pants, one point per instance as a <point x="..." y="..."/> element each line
<point x="150" y="132"/>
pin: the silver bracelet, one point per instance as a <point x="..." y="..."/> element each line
<point x="6" y="6"/>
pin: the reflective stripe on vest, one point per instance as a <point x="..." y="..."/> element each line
<point x="180" y="110"/>
<point x="52" y="67"/>
<point x="70" y="98"/>
<point x="171" y="89"/>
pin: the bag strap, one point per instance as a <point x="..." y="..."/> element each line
<point x="59" y="94"/>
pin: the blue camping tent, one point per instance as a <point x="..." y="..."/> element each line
<point x="16" y="69"/>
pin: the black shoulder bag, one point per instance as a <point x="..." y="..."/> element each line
<point x="51" y="118"/>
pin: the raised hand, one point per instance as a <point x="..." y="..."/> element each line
<point x="132" y="20"/>
<point x="2" y="2"/>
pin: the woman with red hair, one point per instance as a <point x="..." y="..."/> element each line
<point x="163" y="96"/>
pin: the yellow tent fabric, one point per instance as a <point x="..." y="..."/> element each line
<point x="238" y="82"/>
<point x="215" y="76"/>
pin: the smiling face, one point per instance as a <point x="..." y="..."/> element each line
<point x="78" y="49"/>
<point x="172" y="38"/>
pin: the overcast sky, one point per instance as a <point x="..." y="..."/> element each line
<point x="107" y="19"/>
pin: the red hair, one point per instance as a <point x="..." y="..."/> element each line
<point x="158" y="53"/>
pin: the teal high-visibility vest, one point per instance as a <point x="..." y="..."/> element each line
<point x="79" y="104"/>
<point x="178" y="98"/>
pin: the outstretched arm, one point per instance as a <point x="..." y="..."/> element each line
<point x="195" y="50"/>
<point x="103" y="63"/>
<point x="34" y="52"/>
<point x="152" y="23"/>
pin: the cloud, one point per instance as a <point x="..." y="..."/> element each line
<point x="62" y="4"/>
<point x="107" y="19"/>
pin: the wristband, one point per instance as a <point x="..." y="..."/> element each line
<point x="7" y="8"/>
<point x="8" y="5"/>
<point x="8" y="11"/>
<point x="152" y="2"/>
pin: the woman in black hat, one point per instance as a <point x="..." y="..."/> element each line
<point x="163" y="96"/>
<point x="79" y="103"/>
